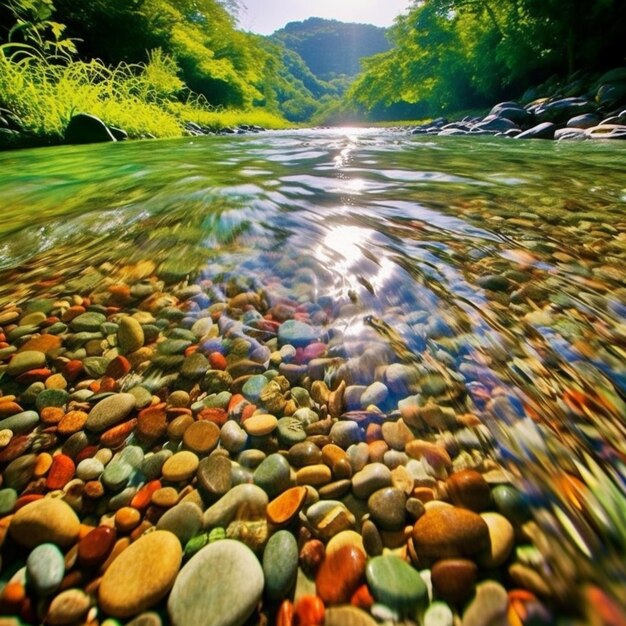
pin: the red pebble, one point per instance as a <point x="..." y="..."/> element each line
<point x="34" y="376"/>
<point x="340" y="574"/>
<point x="141" y="500"/>
<point x="362" y="598"/>
<point x="284" y="617"/>
<point x="217" y="361"/>
<point x="118" y="367"/>
<point x="215" y="415"/>
<point x="309" y="611"/>
<point x="95" y="547"/>
<point x="73" y="369"/>
<point x="116" y="436"/>
<point x="61" y="472"/>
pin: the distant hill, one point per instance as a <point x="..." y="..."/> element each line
<point x="332" y="49"/>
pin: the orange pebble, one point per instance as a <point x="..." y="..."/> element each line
<point x="51" y="414"/>
<point x="127" y="518"/>
<point x="284" y="616"/>
<point x="107" y="383"/>
<point x="115" y="436"/>
<point x="215" y="415"/>
<point x="72" y="422"/>
<point x="93" y="489"/>
<point x="34" y="376"/>
<point x="217" y="361"/>
<point x="425" y="494"/>
<point x="309" y="611"/>
<point x="191" y="349"/>
<point x="73" y="369"/>
<point x="42" y="464"/>
<point x="142" y="499"/>
<point x="26" y="499"/>
<point x="14" y="593"/>
<point x="362" y="598"/>
<point x="72" y="312"/>
<point x="9" y="408"/>
<point x="61" y="472"/>
<point x="118" y="367"/>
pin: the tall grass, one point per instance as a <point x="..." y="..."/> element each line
<point x="44" y="91"/>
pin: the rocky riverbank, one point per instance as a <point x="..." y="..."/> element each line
<point x="584" y="107"/>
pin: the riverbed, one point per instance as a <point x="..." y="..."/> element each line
<point x="447" y="312"/>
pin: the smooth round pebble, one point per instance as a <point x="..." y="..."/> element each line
<point x="45" y="568"/>
<point x="47" y="520"/>
<point x="280" y="564"/>
<point x="180" y="466"/>
<point x="183" y="520"/>
<point x="141" y="575"/>
<point x="220" y="586"/>
<point x="260" y="425"/>
<point x="69" y="607"/>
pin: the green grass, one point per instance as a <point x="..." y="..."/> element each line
<point x="143" y="99"/>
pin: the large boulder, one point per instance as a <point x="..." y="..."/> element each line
<point x="86" y="128"/>
<point x="562" y="110"/>
<point x="541" y="131"/>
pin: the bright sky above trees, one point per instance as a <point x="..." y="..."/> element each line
<point x="266" y="16"/>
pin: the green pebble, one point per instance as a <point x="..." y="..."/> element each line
<point x="20" y="423"/>
<point x="394" y="583"/>
<point x="290" y="431"/>
<point x="8" y="498"/>
<point x="52" y="397"/>
<point x="510" y="502"/>
<point x="280" y="565"/>
<point x="96" y="366"/>
<point x="116" y="475"/>
<point x="273" y="475"/>
<point x="171" y="347"/>
<point x="25" y="361"/>
<point x="45" y="568"/>
<point x="89" y="322"/>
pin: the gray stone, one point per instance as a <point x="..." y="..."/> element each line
<point x="184" y="520"/>
<point x="280" y="565"/>
<point x="110" y="411"/>
<point x="241" y="502"/>
<point x="545" y="130"/>
<point x="45" y="568"/>
<point x="219" y="586"/>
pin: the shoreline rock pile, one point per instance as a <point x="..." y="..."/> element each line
<point x="582" y="108"/>
<point x="210" y="454"/>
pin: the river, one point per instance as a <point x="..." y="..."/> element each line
<point x="489" y="275"/>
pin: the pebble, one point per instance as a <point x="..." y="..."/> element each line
<point x="201" y="437"/>
<point x="45" y="568"/>
<point x="340" y="574"/>
<point x="295" y="333"/>
<point x="260" y="425"/>
<point x="347" y="616"/>
<point x="284" y="508"/>
<point x="110" y="411"/>
<point x="438" y="614"/>
<point x="371" y="478"/>
<point x="95" y="547"/>
<point x="454" y="580"/>
<point x="219" y="586"/>
<point x="387" y="508"/>
<point x="510" y="502"/>
<point x="141" y="575"/>
<point x="180" y="467"/>
<point x="8" y="498"/>
<point x="241" y="502"/>
<point x="69" y="607"/>
<point x="24" y="361"/>
<point x="183" y="520"/>
<point x="394" y="583"/>
<point x="345" y="538"/>
<point x="89" y="469"/>
<point x="45" y="520"/>
<point x="501" y="540"/>
<point x="304" y="453"/>
<point x="214" y="476"/>
<point x="467" y="488"/>
<point x="489" y="606"/>
<point x="273" y="475"/>
<point x="280" y="565"/>
<point x="232" y="437"/>
<point x="450" y="532"/>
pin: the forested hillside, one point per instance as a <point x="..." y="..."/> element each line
<point x="330" y="48"/>
<point x="454" y="54"/>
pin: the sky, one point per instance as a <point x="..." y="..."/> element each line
<point x="266" y="16"/>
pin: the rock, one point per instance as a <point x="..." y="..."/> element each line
<point x="468" y="489"/>
<point x="501" y="539"/>
<point x="130" y="335"/>
<point x="396" y="584"/>
<point x="233" y="437"/>
<point x="25" y="361"/>
<point x="498" y="123"/>
<point x="45" y="568"/>
<point x="183" y="520"/>
<point x="94" y="548"/>
<point x="340" y="574"/>
<point x="511" y="503"/>
<point x="85" y="128"/>
<point x="371" y="478"/>
<point x="214" y="476"/>
<point x="345" y="433"/>
<point x="347" y="616"/>
<point x="454" y="580"/>
<point x="141" y="575"/>
<point x="438" y="614"/>
<point x="260" y="425"/>
<point x="387" y="508"/>
<point x="180" y="467"/>
<point x="110" y="411"/>
<point x="561" y="110"/>
<point x="586" y="120"/>
<point x="607" y="131"/>
<point x="545" y="130"/>
<point x="273" y="475"/>
<point x="89" y="322"/>
<point x="69" y="607"/>
<point x="220" y="586"/>
<point x="295" y="333"/>
<point x="286" y="506"/>
<point x="241" y="502"/>
<point x="489" y="607"/>
<point x="280" y="565"/>
<point x="450" y="532"/>
<point x="46" y="520"/>
<point x="570" y="134"/>
<point x="201" y="437"/>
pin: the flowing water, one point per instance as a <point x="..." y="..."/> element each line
<point x="497" y="267"/>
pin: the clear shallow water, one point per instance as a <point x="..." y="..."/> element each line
<point x="500" y="264"/>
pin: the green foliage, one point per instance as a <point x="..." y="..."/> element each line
<point x="452" y="54"/>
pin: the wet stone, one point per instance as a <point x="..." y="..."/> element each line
<point x="396" y="584"/>
<point x="273" y="475"/>
<point x="95" y="546"/>
<point x="141" y="575"/>
<point x="286" y="506"/>
<point x="110" y="411"/>
<point x="371" y="478"/>
<point x="46" y="520"/>
<point x="130" y="335"/>
<point x="228" y="599"/>
<point x="183" y="520"/>
<point x="45" y="568"/>
<point x="201" y="437"/>
<point x="304" y="453"/>
<point x="180" y="467"/>
<point x="68" y="607"/>
<point x="290" y="431"/>
<point x="214" y="476"/>
<point x="24" y="361"/>
<point x="241" y="502"/>
<point x="280" y="565"/>
<point x="454" y="580"/>
<point x="340" y="574"/>
<point x="387" y="508"/>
